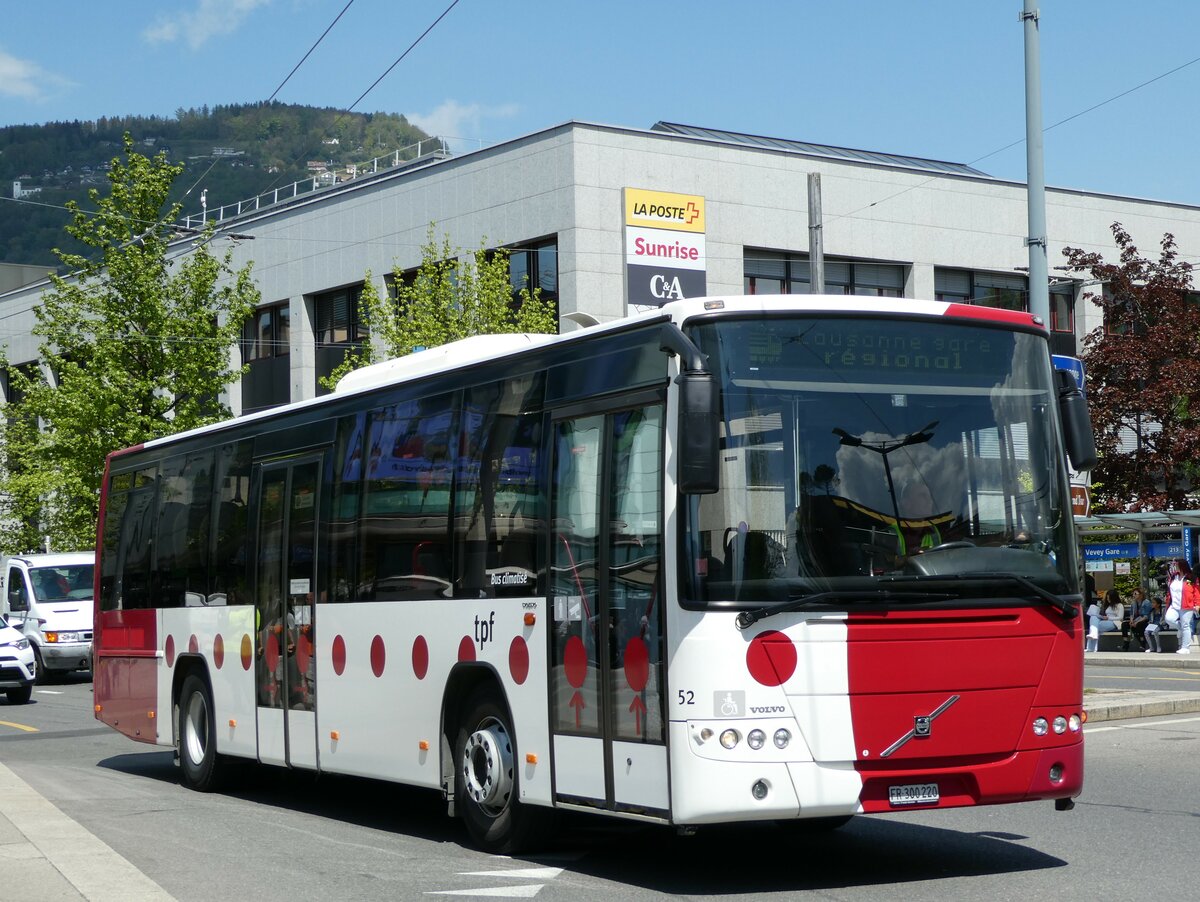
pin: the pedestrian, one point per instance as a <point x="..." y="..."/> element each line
<point x="1139" y="617"/>
<point x="1188" y="603"/>
<point x="1108" y="620"/>
<point x="1153" y="626"/>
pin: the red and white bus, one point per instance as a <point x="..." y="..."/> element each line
<point x="736" y="559"/>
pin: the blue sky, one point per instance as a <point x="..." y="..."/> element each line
<point x="938" y="78"/>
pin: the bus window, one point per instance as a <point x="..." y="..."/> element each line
<point x="129" y="528"/>
<point x="499" y="507"/>
<point x="184" y="515"/>
<point x="345" y="474"/>
<point x="229" y="557"/>
<point x="407" y="502"/>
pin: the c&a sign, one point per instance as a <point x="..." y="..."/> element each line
<point x="664" y="247"/>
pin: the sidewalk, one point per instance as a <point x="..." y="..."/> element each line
<point x="48" y="856"/>
<point x="1121" y="704"/>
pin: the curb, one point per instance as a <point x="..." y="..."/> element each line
<point x="1106" y="706"/>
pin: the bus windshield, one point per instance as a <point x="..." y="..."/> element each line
<point x="860" y="453"/>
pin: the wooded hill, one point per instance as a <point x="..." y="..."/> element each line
<point x="236" y="152"/>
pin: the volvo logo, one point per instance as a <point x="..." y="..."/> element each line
<point x="922" y="726"/>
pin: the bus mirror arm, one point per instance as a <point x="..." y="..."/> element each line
<point x="699" y="414"/>
<point x="1077" y="423"/>
<point x="675" y="343"/>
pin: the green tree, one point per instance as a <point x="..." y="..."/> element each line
<point x="445" y="300"/>
<point x="1143" y="377"/>
<point x="137" y="345"/>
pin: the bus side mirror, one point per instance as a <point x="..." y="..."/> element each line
<point x="1077" y="423"/>
<point x="699" y="450"/>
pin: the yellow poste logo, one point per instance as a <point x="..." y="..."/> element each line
<point x="661" y="210"/>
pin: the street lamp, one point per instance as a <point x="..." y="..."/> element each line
<point x="883" y="449"/>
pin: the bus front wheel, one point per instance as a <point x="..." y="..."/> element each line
<point x="196" y="734"/>
<point x="486" y="779"/>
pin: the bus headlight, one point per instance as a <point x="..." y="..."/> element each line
<point x="1074" y="724"/>
<point x="730" y="739"/>
<point x="756" y="739"/>
<point x="1060" y="724"/>
<point x="1040" y="726"/>
<point x="782" y="738"/>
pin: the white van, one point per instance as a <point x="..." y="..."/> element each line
<point x="48" y="598"/>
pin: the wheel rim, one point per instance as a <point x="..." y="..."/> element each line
<point x="195" y="728"/>
<point x="487" y="767"/>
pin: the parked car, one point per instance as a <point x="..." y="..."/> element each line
<point x="48" y="597"/>
<point x="17" y="670"/>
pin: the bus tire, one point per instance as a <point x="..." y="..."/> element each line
<point x="485" y="784"/>
<point x="199" y="764"/>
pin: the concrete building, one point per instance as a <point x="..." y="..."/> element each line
<point x="601" y="216"/>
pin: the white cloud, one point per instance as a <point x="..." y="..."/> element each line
<point x="27" y="81"/>
<point x="209" y="19"/>
<point x="464" y="121"/>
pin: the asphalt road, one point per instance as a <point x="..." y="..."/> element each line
<point x="281" y="836"/>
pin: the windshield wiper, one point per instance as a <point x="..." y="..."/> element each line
<point x="1057" y="602"/>
<point x="747" y="619"/>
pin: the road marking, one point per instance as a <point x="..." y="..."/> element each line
<point x="50" y="692"/>
<point x="1141" y="725"/>
<point x="19" y="726"/>
<point x="526" y="891"/>
<point x="511" y="892"/>
<point x="522" y="873"/>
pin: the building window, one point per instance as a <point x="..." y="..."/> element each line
<point x="337" y="318"/>
<point x="267" y="333"/>
<point x="770" y="272"/>
<point x="1062" y="308"/>
<point x="338" y="329"/>
<point x="535" y="265"/>
<point x="987" y="289"/>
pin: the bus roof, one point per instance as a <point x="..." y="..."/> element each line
<point x="483" y="348"/>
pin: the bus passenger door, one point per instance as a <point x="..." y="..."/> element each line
<point x="607" y="646"/>
<point x="285" y="574"/>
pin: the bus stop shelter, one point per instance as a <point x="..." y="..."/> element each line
<point x="1151" y="536"/>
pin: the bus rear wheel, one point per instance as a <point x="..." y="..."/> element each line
<point x="485" y="780"/>
<point x="196" y="733"/>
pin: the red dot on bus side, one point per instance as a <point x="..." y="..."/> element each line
<point x="378" y="656"/>
<point x="518" y="660"/>
<point x="771" y="658"/>
<point x="194" y="644"/>
<point x="247" y="651"/>
<point x="339" y="655"/>
<point x="466" y="649"/>
<point x="637" y="664"/>
<point x="575" y="662"/>
<point x="169" y="651"/>
<point x="420" y="657"/>
<point x="218" y="651"/>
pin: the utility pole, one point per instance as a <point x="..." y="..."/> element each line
<point x="816" y="243"/>
<point x="1039" y="282"/>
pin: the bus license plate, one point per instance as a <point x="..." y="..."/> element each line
<point x="913" y="794"/>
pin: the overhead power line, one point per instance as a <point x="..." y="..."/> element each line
<point x="1011" y="144"/>
<point x="445" y="12"/>
<point x="310" y="50"/>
